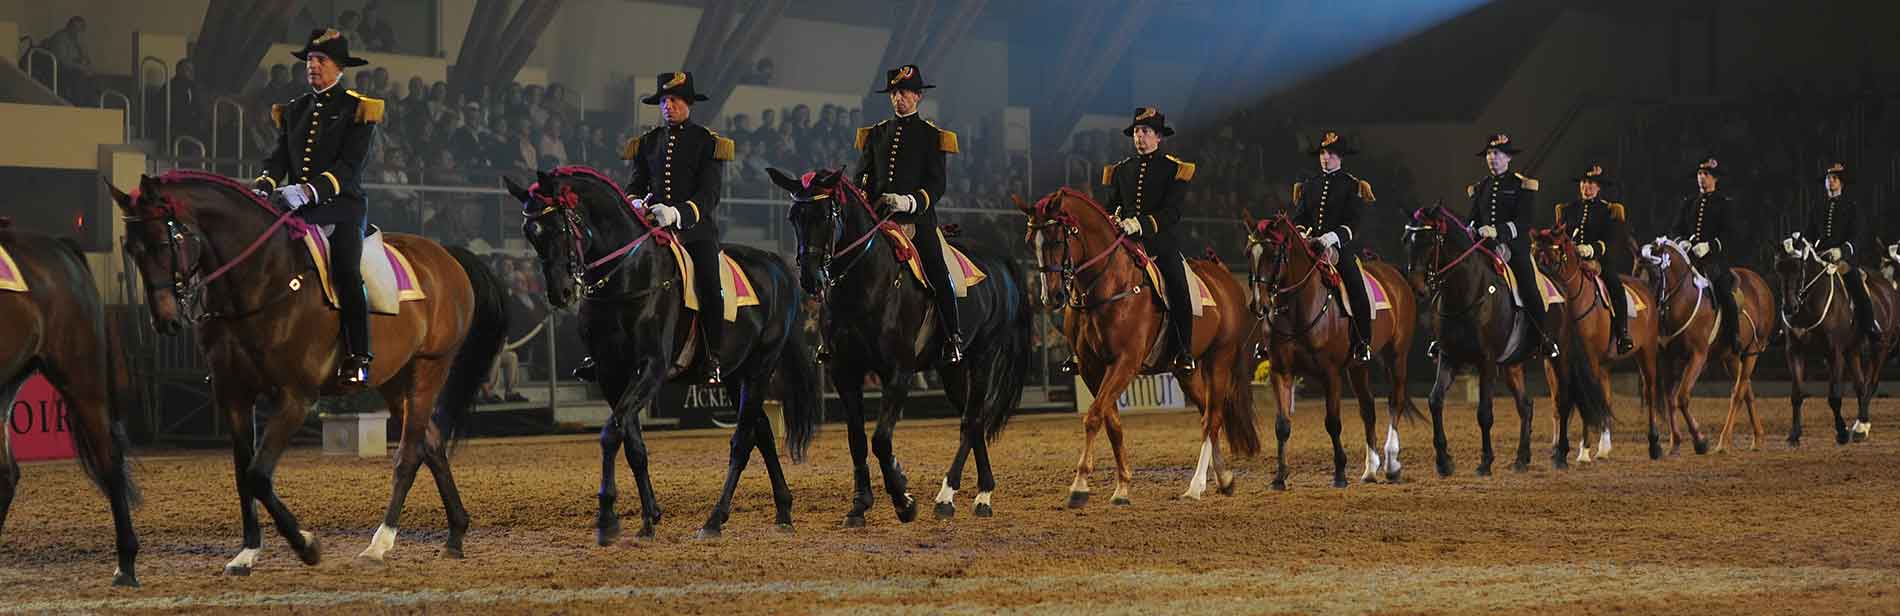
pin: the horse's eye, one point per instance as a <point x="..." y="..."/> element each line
<point x="533" y="228"/>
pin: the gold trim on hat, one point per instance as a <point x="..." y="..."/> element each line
<point x="1146" y="112"/>
<point x="1709" y="164"/>
<point x="678" y="80"/>
<point x="1837" y="168"/>
<point x="1595" y="170"/>
<point x="1500" y="139"/>
<point x="904" y="72"/>
<point x="327" y="36"/>
<point x="1328" y="139"/>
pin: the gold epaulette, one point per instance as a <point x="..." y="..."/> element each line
<point x="947" y="141"/>
<point x="1365" y="191"/>
<point x="864" y="136"/>
<point x="1183" y="170"/>
<point x="723" y="148"/>
<point x="1471" y="190"/>
<point x="1297" y="189"/>
<point x="368" y="110"/>
<point x="633" y="147"/>
<point x="1560" y="212"/>
<point x="1529" y="183"/>
<point x="277" y="115"/>
<point x="1108" y="175"/>
<point x="1616" y="211"/>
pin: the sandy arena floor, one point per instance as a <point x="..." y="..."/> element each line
<point x="1807" y="531"/>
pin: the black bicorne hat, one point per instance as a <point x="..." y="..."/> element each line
<point x="1500" y="142"/>
<point x="1838" y="170"/>
<point x="1594" y="174"/>
<point x="906" y="77"/>
<point x="1150" y="117"/>
<point x="1710" y="166"/>
<point x="1332" y="142"/>
<point x="331" y="43"/>
<point x="678" y="84"/>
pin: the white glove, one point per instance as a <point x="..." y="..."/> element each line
<point x="296" y="196"/>
<point x="1701" y="249"/>
<point x="1832" y="254"/>
<point x="1331" y="239"/>
<point x="1131" y="226"/>
<point x="1488" y="232"/>
<point x="1587" y="251"/>
<point x="666" y="215"/>
<point x="899" y="203"/>
<point x="636" y="202"/>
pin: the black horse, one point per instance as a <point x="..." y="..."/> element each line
<point x="614" y="261"/>
<point x="879" y="319"/>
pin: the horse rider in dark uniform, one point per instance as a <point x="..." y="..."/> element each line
<point x="1146" y="192"/>
<point x="1600" y="230"/>
<point x="323" y="141"/>
<point x="905" y="162"/>
<point x="1326" y="207"/>
<point x="1832" y="227"/>
<point x="1502" y="207"/>
<point x="1704" y="222"/>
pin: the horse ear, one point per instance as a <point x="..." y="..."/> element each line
<point x="124" y="201"/>
<point x="1020" y="203"/>
<point x="520" y="194"/>
<point x="1246" y="218"/>
<point x="786" y="182"/>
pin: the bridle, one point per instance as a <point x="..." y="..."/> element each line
<point x="1660" y="264"/>
<point x="188" y="284"/>
<point x="563" y="208"/>
<point x="1560" y="242"/>
<point x="830" y="198"/>
<point x="1434" y="221"/>
<point x="1803" y="256"/>
<point x="1266" y="306"/>
<point x="1058" y="220"/>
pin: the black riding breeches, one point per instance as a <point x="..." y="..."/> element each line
<point x="712" y="298"/>
<point x="1174" y="275"/>
<point x="1528" y="291"/>
<point x="350" y="216"/>
<point x="930" y="250"/>
<point x="1353" y="280"/>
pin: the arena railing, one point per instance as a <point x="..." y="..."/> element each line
<point x="145" y="119"/>
<point x="33" y="54"/>
<point x="125" y="101"/>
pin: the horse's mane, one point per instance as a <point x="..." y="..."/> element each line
<point x="188" y="176"/>
<point x="587" y="172"/>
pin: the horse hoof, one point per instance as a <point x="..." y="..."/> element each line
<point x="983" y="510"/>
<point x="367" y="560"/>
<point x="1392" y="477"/>
<point x="707" y="532"/>
<point x="646" y="533"/>
<point x="1078" y="499"/>
<point x="1556" y="464"/>
<point x="1445" y="467"/>
<point x="1120" y="501"/>
<point x="946" y="511"/>
<point x="125" y="580"/>
<point x="1278" y="485"/>
<point x="1794" y="442"/>
<point x="1340" y="482"/>
<point x="312" y="552"/>
<point x="1655" y="451"/>
<point x="785" y="528"/>
<point x="854" y="521"/>
<point x="453" y="552"/>
<point x="1860" y="437"/>
<point x="908" y="512"/>
<point x="604" y="537"/>
<point x="1701" y="447"/>
<point x="1483" y="470"/>
<point x="1841" y="437"/>
<point x="237" y="570"/>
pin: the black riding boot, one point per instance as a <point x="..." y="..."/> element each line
<point x="1730" y="331"/>
<point x="1619" y="315"/>
<point x="1863" y="306"/>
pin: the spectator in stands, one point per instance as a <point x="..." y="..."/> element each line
<point x="525" y="155"/>
<point x="279" y="88"/>
<point x="533" y="105"/>
<point x="471" y="137"/>
<point x="741" y="128"/>
<point x="377" y="34"/>
<point x="557" y="103"/>
<point x="552" y="145"/>
<point x="438" y="99"/>
<point x="760" y="75"/>
<point x="75" y="65"/>
<point x="383" y="89"/>
<point x="402" y="204"/>
<point x="187" y="105"/>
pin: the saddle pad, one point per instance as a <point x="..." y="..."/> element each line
<point x="1634" y="306"/>
<point x="734" y="284"/>
<point x="1196" y="286"/>
<point x="11" y="278"/>
<point x="963" y="272"/>
<point x="1375" y="292"/>
<point x="388" y="279"/>
<point x="1550" y="292"/>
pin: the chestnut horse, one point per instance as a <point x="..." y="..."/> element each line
<point x="1688" y="324"/>
<point x="1305" y="330"/>
<point x="1588" y="308"/>
<point x="1115" y="331"/>
<point x="58" y="328"/>
<point x="212" y="253"/>
<point x="1819" y="318"/>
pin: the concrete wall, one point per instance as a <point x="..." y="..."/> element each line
<point x="55" y="137"/>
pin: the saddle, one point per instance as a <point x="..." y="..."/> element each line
<point x="963" y="272"/>
<point x="388" y="278"/>
<point x="1196" y="286"/>
<point x="737" y="287"/>
<point x="1376" y="296"/>
<point x="1550" y="293"/>
<point x="11" y="278"/>
<point x="1631" y="308"/>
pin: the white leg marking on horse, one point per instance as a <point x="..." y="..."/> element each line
<point x="1392" y="449"/>
<point x="1372" y="465"/>
<point x="982" y="498"/>
<point x="1583" y="451"/>
<point x="245" y="558"/>
<point x="945" y="494"/>
<point x="1603" y="445"/>
<point x="380" y="543"/>
<point x="1198" y="485"/>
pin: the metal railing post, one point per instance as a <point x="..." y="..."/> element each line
<point x="216" y="105"/>
<point x="145" y="119"/>
<point x="35" y="53"/>
<point x="109" y="93"/>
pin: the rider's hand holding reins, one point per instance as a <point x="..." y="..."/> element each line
<point x="1488" y="232"/>
<point x="1787" y="245"/>
<point x="1701" y="249"/>
<point x="1130" y="226"/>
<point x="1832" y="254"/>
<point x="904" y="204"/>
<point x="294" y="196"/>
<point x="1587" y="251"/>
<point x="664" y="214"/>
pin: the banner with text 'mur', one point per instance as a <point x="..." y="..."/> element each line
<point x="37" y="423"/>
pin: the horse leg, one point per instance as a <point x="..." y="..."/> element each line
<point x="738" y="453"/>
<point x="9" y="469"/>
<point x="1748" y="401"/>
<point x="1865" y="423"/>
<point x="1199" y="390"/>
<point x="767" y="444"/>
<point x="91" y="414"/>
<point x="1723" y="440"/>
<point x="896" y="485"/>
<point x="1603" y="423"/>
<point x="1797" y="375"/>
<point x="1282" y="423"/>
<point x="639" y="394"/>
<point x="1436" y="402"/>
<point x="985" y="477"/>
<point x="1563" y="402"/>
<point x="1862" y="395"/>
<point x="613" y="383"/>
<point x="1651" y="374"/>
<point x="240" y="404"/>
<point x="1514" y="381"/>
<point x="1690" y="374"/>
<point x="956" y="387"/>
<point x="848" y="379"/>
<point x="1398" y="405"/>
<point x="291" y="407"/>
<point x="1333" y="428"/>
<point x="398" y="396"/>
<point x="1485" y="375"/>
<point x="1836" y="369"/>
<point x="1091" y="423"/>
<point x="1362" y="385"/>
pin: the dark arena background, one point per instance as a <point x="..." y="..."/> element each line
<point x="1748" y="478"/>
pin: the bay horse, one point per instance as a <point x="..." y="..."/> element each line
<point x="1586" y="304"/>
<point x="1818" y="316"/>
<point x="1305" y="331"/>
<point x="1473" y="315"/>
<point x="615" y="262"/>
<point x="213" y="254"/>
<point x="1688" y="324"/>
<point x="58" y="328"/>
<point x="876" y="318"/>
<point x="1117" y="333"/>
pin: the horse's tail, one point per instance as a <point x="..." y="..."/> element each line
<point x="486" y="335"/>
<point x="103" y="466"/>
<point x="1237" y="416"/>
<point x="800" y="392"/>
<point x="1584" y="388"/>
<point x="1015" y="351"/>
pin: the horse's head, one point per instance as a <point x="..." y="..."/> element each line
<point x="1796" y="265"/>
<point x="1661" y="261"/>
<point x="555" y="226"/>
<point x="163" y="241"/>
<point x="1889" y="258"/>
<point x="817" y="217"/>
<point x="1553" y="249"/>
<point x="1270" y="254"/>
<point x="1065" y="228"/>
<point x="1426" y="240"/>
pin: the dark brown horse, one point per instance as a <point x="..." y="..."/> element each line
<point x="1688" y="324"/>
<point x="58" y="328"/>
<point x="1588" y="308"/>
<point x="213" y="254"/>
<point x="1819" y="318"/>
<point x="1305" y="330"/>
<point x="1115" y="329"/>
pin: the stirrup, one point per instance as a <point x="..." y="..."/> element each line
<point x="1068" y="366"/>
<point x="586" y="372"/>
<point x="1624" y="344"/>
<point x="1183" y="362"/>
<point x="1361" y="351"/>
<point x="953" y="349"/>
<point x="1431" y="349"/>
<point x="354" y="372"/>
<point x="713" y="376"/>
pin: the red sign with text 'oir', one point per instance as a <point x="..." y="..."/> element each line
<point x="37" y="423"/>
